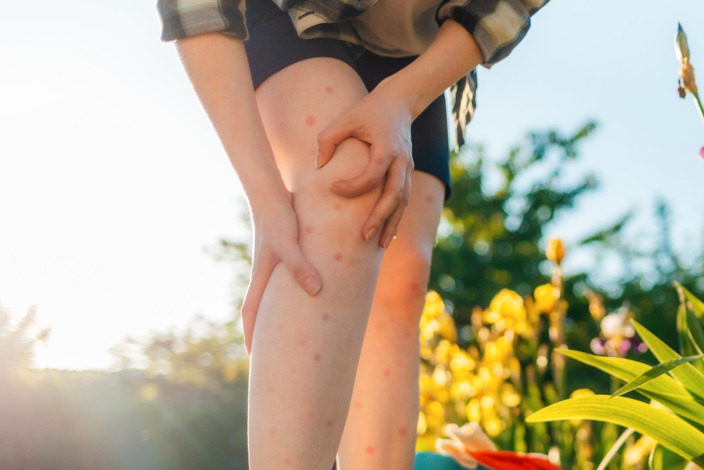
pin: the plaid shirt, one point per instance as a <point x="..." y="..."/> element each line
<point x="496" y="25"/>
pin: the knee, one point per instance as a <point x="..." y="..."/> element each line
<point x="336" y="219"/>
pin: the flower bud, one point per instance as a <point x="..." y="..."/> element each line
<point x="555" y="250"/>
<point x="681" y="46"/>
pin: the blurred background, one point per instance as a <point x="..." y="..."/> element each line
<point x="124" y="241"/>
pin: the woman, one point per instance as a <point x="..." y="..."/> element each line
<point x="323" y="151"/>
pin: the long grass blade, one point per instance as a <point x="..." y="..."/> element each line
<point x="664" y="389"/>
<point x="687" y="375"/>
<point x="697" y="305"/>
<point x="627" y="370"/>
<point x="654" y="373"/>
<point x="670" y="431"/>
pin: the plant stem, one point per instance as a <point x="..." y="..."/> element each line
<point x="614" y="449"/>
<point x="698" y="102"/>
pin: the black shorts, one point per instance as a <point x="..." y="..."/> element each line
<point x="273" y="44"/>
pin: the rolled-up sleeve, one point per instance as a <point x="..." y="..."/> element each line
<point x="496" y="25"/>
<point x="184" y="18"/>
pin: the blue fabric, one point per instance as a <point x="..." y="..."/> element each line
<point x="433" y="461"/>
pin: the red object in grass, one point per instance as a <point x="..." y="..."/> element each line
<point x="505" y="460"/>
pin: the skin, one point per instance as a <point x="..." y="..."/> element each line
<point x="317" y="228"/>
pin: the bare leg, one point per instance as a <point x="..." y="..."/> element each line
<point x="380" y="431"/>
<point x="305" y="349"/>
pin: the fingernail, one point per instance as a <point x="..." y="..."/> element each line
<point x="370" y="233"/>
<point x="311" y="285"/>
<point x="387" y="241"/>
<point x="317" y="160"/>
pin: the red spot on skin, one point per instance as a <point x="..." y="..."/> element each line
<point x="429" y="198"/>
<point x="316" y="357"/>
<point x="326" y="316"/>
<point x="329" y="422"/>
<point x="309" y="229"/>
<point x="273" y="431"/>
<point x="301" y="342"/>
<point x="287" y="462"/>
<point x="357" y="405"/>
<point x="310" y="120"/>
<point x="269" y="388"/>
<point x="293" y="370"/>
<point x="370" y="450"/>
<point x="338" y="206"/>
<point x="329" y="89"/>
<point x="280" y="328"/>
<point x="338" y="256"/>
<point x="387" y="373"/>
<point x="402" y="431"/>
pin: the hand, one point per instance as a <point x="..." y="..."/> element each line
<point x="275" y="240"/>
<point x="383" y="120"/>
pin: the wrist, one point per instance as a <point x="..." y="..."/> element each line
<point x="271" y="201"/>
<point x="400" y="90"/>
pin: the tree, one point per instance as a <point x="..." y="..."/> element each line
<point x="489" y="241"/>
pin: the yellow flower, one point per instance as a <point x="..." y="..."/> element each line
<point x="461" y="364"/>
<point x="582" y="392"/>
<point x="474" y="410"/>
<point x="434" y="305"/>
<point x="509" y="396"/>
<point x="639" y="452"/>
<point x="442" y="352"/>
<point x="422" y="425"/>
<point x="493" y="426"/>
<point x="447" y="327"/>
<point x="555" y="250"/>
<point x="507" y="311"/>
<point x="545" y="297"/>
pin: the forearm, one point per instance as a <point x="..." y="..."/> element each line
<point x="218" y="69"/>
<point x="452" y="54"/>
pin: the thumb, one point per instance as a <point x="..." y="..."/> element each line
<point x="329" y="138"/>
<point x="261" y="272"/>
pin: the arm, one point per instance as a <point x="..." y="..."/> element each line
<point x="384" y="117"/>
<point x="218" y="68"/>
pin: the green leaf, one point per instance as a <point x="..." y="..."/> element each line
<point x="664" y="459"/>
<point x="664" y="389"/>
<point x="688" y="375"/>
<point x="654" y="373"/>
<point x="688" y="347"/>
<point x="690" y="334"/>
<point x="670" y="431"/>
<point x="696" y="331"/>
<point x="697" y="305"/>
<point x="626" y="370"/>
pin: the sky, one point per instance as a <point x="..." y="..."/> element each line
<point x="113" y="185"/>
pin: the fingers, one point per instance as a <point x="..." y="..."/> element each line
<point x="372" y="176"/>
<point x="261" y="272"/>
<point x="392" y="223"/>
<point x="303" y="272"/>
<point x="329" y="138"/>
<point x="389" y="209"/>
